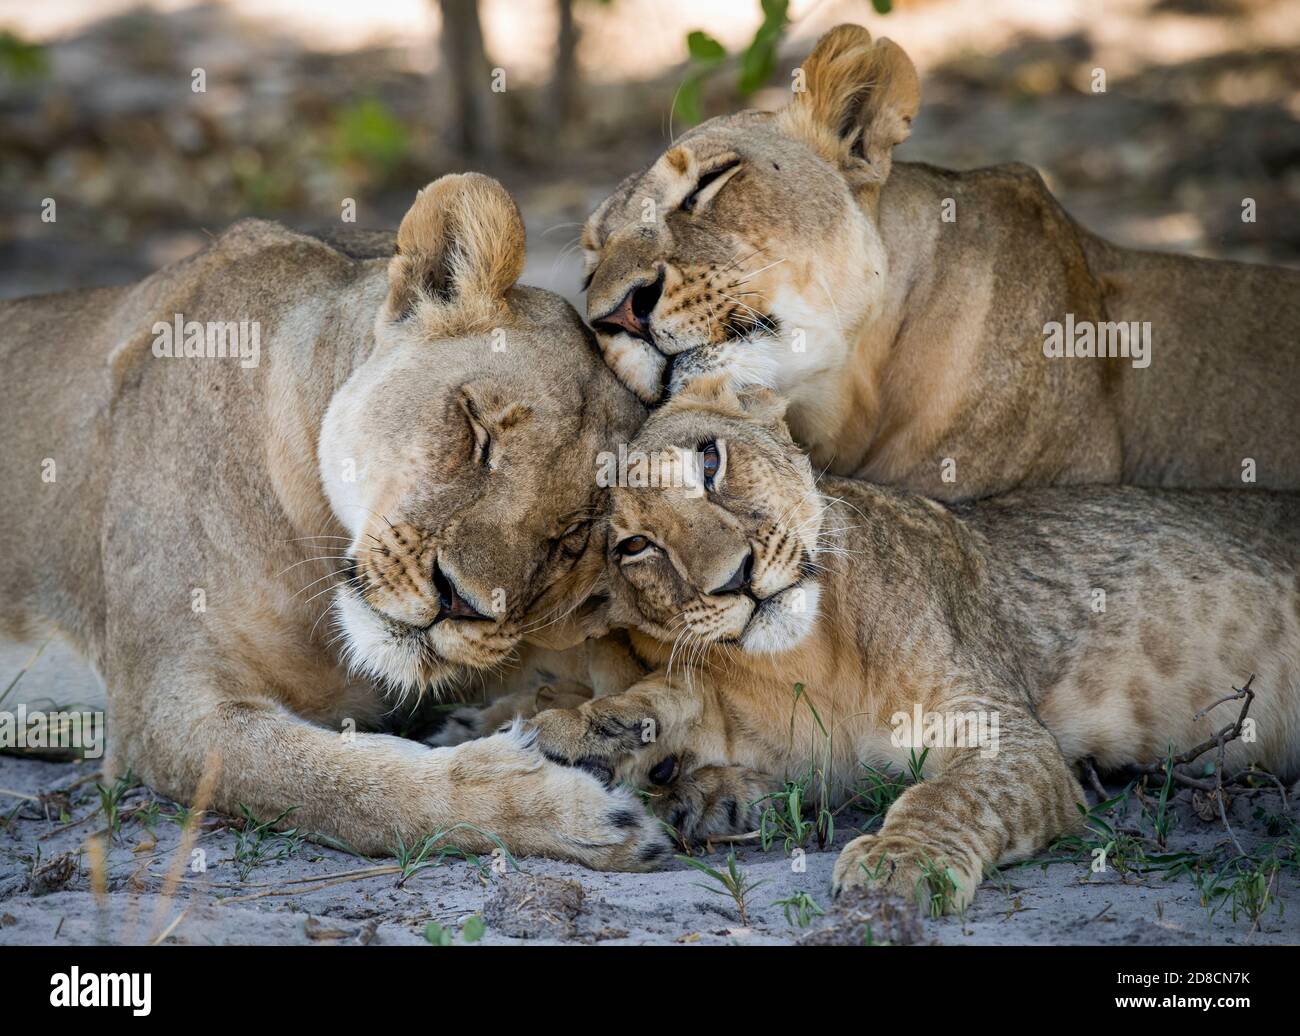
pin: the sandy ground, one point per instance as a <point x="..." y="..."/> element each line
<point x="295" y="893"/>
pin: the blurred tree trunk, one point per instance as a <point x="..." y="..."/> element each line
<point x="564" y="82"/>
<point x="476" y="111"/>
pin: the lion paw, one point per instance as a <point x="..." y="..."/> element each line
<point x="711" y="801"/>
<point x="906" y="865"/>
<point x="540" y="808"/>
<point x="596" y="737"/>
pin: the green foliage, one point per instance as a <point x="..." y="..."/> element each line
<point x="733" y="882"/>
<point x="936" y="888"/>
<point x="110" y="800"/>
<point x="1162" y="820"/>
<point x="878" y="790"/>
<point x="369" y="136"/>
<point x="755" y="64"/>
<point x="20" y="60"/>
<point x="258" y="841"/>
<point x="783" y="817"/>
<point x="759" y="59"/>
<point x="434" y="849"/>
<point x="800" y="908"/>
<point x="471" y="932"/>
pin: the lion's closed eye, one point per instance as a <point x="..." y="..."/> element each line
<point x="709" y="183"/>
<point x="574" y="538"/>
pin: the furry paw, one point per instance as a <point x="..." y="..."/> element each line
<point x="540" y="808"/>
<point x="710" y="801"/>
<point x="596" y="737"/>
<point x="902" y="864"/>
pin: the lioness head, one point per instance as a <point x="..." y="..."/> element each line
<point x="461" y="454"/>
<point x="750" y="246"/>
<point x="729" y="556"/>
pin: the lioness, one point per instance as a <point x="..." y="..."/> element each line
<point x="907" y="311"/>
<point x="393" y="493"/>
<point x="1021" y="634"/>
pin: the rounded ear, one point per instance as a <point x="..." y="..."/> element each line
<point x="461" y="244"/>
<point x="713" y="392"/>
<point x="762" y="404"/>
<point x="858" y="102"/>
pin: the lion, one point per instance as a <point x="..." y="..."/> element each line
<point x="952" y="333"/>
<point x="262" y="549"/>
<point x="796" y="623"/>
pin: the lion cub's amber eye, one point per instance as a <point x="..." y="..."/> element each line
<point x="633" y="545"/>
<point x="710" y="463"/>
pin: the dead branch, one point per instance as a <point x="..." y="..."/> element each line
<point x="1168" y="768"/>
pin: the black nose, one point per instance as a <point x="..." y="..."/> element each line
<point x="451" y="605"/>
<point x="645" y="298"/>
<point x="739" y="580"/>
<point x="632" y="314"/>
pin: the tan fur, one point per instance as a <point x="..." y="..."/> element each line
<point x="876" y="602"/>
<point x="911" y="347"/>
<point x="386" y="430"/>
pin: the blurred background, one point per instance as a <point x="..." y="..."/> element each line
<point x="305" y="104"/>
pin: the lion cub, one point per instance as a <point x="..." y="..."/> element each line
<point x="1012" y="638"/>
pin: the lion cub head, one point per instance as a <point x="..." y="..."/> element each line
<point x="751" y="245"/>
<point x="726" y="553"/>
<point x="460" y="455"/>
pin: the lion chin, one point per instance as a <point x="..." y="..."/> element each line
<point x="400" y="662"/>
<point x="782" y="621"/>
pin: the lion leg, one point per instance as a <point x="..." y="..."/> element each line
<point x="369" y="790"/>
<point x="979" y="810"/>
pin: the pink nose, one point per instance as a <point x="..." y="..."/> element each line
<point x="633" y="313"/>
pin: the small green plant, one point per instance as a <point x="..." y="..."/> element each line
<point x="1162" y="818"/>
<point x="733" y="882"/>
<point x="936" y="887"/>
<point x="800" y="908"/>
<point x="1247" y="885"/>
<point x="440" y="935"/>
<point x="148" y="814"/>
<point x="258" y="842"/>
<point x="783" y="817"/>
<point x="434" y="849"/>
<point x="878" y="790"/>
<point x="869" y="937"/>
<point x="916" y="765"/>
<point x="6" y="822"/>
<point x="811" y="793"/>
<point x="110" y="800"/>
